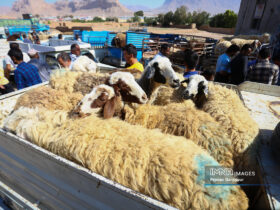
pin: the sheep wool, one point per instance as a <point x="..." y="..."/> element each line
<point x="65" y="81"/>
<point x="48" y="98"/>
<point x="221" y="47"/>
<point x="235" y="118"/>
<point x="87" y="81"/>
<point x="164" y="167"/>
<point x="241" y="42"/>
<point x="183" y="119"/>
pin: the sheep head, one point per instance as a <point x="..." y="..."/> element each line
<point x="197" y="90"/>
<point x="161" y="71"/>
<point x="120" y="87"/>
<point x="101" y="98"/>
<point x="125" y="85"/>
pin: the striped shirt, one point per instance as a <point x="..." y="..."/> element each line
<point x="26" y="75"/>
<point x="264" y="72"/>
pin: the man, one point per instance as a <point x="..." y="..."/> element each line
<point x="26" y="74"/>
<point x="130" y="54"/>
<point x="26" y="40"/>
<point x="191" y="60"/>
<point x="9" y="64"/>
<point x="75" y="52"/>
<point x="43" y="68"/>
<point x="239" y="65"/>
<point x="223" y="66"/>
<point x="164" y="51"/>
<point x="264" y="71"/>
<point x="60" y="37"/>
<point x="209" y="74"/>
<point x="77" y="38"/>
<point x="276" y="61"/>
<point x="64" y="60"/>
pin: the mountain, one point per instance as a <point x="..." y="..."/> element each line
<point x="4" y="10"/>
<point x="211" y="6"/>
<point x="70" y="7"/>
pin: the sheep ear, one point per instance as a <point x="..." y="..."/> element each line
<point x="202" y="86"/>
<point x="151" y="72"/>
<point x="110" y="108"/>
<point x="185" y="81"/>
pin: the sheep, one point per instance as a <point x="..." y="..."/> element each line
<point x="221" y="47"/>
<point x="183" y="119"/>
<point x="241" y="42"/>
<point x="48" y="98"/>
<point x="64" y="82"/>
<point x="167" y="168"/>
<point x="158" y="72"/>
<point x="226" y="107"/>
<point x="265" y="38"/>
<point x="197" y="90"/>
<point x="52" y="99"/>
<point x="85" y="64"/>
<point x="109" y="99"/>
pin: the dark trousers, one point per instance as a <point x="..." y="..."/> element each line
<point x="8" y="89"/>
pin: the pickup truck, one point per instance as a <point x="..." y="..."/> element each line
<point x="31" y="177"/>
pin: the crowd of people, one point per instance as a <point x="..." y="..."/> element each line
<point x="232" y="67"/>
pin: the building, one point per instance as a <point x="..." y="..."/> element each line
<point x="258" y="17"/>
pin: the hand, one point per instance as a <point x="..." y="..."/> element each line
<point x="2" y="87"/>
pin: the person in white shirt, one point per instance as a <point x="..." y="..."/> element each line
<point x="75" y="52"/>
<point x="9" y="64"/>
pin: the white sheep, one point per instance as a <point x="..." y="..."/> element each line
<point x="85" y="64"/>
<point x="196" y="89"/>
<point x="158" y="72"/>
<point x="167" y="168"/>
<point x="221" y="47"/>
<point x="109" y="99"/>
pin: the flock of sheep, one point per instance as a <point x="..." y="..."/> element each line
<point x="154" y="135"/>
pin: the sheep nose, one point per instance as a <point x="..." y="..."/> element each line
<point x="144" y="97"/>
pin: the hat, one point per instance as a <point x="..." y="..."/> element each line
<point x="32" y="52"/>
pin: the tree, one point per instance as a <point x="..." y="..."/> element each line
<point x="139" y="13"/>
<point x="224" y="20"/>
<point x="97" y="19"/>
<point x="180" y="16"/>
<point x="167" y="19"/>
<point x="150" y="21"/>
<point x="136" y="19"/>
<point x="200" y="18"/>
<point x="160" y="18"/>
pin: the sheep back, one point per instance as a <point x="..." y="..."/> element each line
<point x="165" y="167"/>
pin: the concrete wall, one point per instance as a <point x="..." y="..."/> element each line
<point x="269" y="21"/>
<point x="229" y="31"/>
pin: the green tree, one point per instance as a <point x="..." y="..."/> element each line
<point x="200" y="18"/>
<point x="150" y="21"/>
<point x="136" y="19"/>
<point x="180" y="16"/>
<point x="97" y="19"/>
<point x="167" y="19"/>
<point x="160" y="18"/>
<point x="139" y="13"/>
<point x="224" y="20"/>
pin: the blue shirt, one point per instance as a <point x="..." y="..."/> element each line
<point x="223" y="63"/>
<point x="189" y="74"/>
<point x="26" y="75"/>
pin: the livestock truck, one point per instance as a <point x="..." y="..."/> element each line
<point x="34" y="178"/>
<point x="25" y="25"/>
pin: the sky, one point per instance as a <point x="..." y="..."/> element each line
<point x="146" y="3"/>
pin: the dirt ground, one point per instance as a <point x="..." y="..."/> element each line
<point x="122" y="27"/>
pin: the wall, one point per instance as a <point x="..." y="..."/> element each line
<point x="229" y="31"/>
<point x="270" y="19"/>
